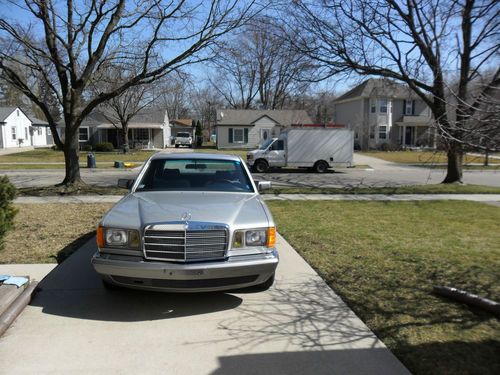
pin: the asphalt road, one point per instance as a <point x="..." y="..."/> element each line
<point x="381" y="174"/>
<point x="300" y="326"/>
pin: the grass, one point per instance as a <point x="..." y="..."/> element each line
<point x="46" y="233"/>
<point x="410" y="189"/>
<point x="45" y="191"/>
<point x="383" y="259"/>
<point x="423" y="157"/>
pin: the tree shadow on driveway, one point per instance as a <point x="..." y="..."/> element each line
<point x="74" y="289"/>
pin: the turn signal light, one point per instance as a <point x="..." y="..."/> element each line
<point x="271" y="236"/>
<point x="100" y="237"/>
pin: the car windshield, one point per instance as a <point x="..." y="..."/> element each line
<point x="195" y="175"/>
<point x="183" y="135"/>
<point x="266" y="144"/>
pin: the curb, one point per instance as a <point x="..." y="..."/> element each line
<point x="16" y="307"/>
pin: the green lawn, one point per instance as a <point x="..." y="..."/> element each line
<point x="383" y="259"/>
<point x="422" y="157"/>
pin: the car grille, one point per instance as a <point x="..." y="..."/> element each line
<point x="189" y="244"/>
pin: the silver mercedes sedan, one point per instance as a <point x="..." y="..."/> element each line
<point x="191" y="222"/>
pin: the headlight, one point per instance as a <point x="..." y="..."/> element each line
<point x="249" y="156"/>
<point x="115" y="237"/>
<point x="254" y="237"/>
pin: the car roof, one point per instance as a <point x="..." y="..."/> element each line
<point x="194" y="155"/>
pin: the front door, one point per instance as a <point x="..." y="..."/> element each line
<point x="265" y="134"/>
<point x="409" y="135"/>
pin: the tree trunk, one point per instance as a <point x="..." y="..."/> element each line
<point x="124" y="131"/>
<point x="454" y="168"/>
<point x="71" y="159"/>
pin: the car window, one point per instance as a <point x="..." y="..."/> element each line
<point x="183" y="135"/>
<point x="195" y="175"/>
<point x="278" y="145"/>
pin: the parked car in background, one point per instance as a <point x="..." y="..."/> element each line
<point x="191" y="222"/>
<point x="183" y="139"/>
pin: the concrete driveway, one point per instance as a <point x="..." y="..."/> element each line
<point x="74" y="325"/>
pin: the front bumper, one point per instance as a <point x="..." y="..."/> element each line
<point x="233" y="273"/>
<point x="186" y="142"/>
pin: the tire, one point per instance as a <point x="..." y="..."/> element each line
<point x="176" y="146"/>
<point x="261" y="166"/>
<point x="320" y="167"/>
<point x="265" y="285"/>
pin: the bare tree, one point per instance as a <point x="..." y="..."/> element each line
<point x="121" y="109"/>
<point x="172" y="94"/>
<point x="258" y="68"/>
<point x="417" y="42"/>
<point x="80" y="40"/>
<point x="235" y="76"/>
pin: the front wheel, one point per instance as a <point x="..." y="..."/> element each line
<point x="261" y="166"/>
<point x="320" y="167"/>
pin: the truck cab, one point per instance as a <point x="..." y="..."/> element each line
<point x="271" y="153"/>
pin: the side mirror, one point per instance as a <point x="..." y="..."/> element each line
<point x="263" y="185"/>
<point x="125" y="183"/>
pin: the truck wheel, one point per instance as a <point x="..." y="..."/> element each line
<point x="320" y="167"/>
<point x="261" y="166"/>
<point x="176" y="146"/>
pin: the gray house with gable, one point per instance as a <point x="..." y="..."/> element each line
<point x="383" y="111"/>
<point x="248" y="128"/>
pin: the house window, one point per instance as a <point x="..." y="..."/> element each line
<point x="409" y="107"/>
<point x="382" y="105"/>
<point x="83" y="134"/>
<point x="14" y="133"/>
<point x="142" y="134"/>
<point x="49" y="132"/>
<point x="238" y="136"/>
<point x="39" y="130"/>
<point x="382" y="132"/>
<point x="25" y="133"/>
<point x="373" y="107"/>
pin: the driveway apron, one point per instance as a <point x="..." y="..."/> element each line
<point x="300" y="326"/>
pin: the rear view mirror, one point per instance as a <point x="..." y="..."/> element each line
<point x="125" y="183"/>
<point x="263" y="185"/>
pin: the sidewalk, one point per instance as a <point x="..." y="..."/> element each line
<point x="286" y="197"/>
<point x="15" y="150"/>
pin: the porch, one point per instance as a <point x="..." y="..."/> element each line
<point x="149" y="137"/>
<point x="415" y="131"/>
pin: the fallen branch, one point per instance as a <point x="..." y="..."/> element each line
<point x="468" y="298"/>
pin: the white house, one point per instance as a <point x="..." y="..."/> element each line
<point x="19" y="130"/>
<point x="247" y="128"/>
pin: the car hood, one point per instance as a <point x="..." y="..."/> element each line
<point x="239" y="210"/>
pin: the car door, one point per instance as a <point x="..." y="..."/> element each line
<point x="276" y="153"/>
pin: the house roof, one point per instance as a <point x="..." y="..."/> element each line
<point x="143" y="118"/>
<point x="285" y="117"/>
<point x="5" y="112"/>
<point x="378" y="87"/>
<point x="182" y="122"/>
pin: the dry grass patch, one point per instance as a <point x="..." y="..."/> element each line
<point x="45" y="233"/>
<point x="383" y="259"/>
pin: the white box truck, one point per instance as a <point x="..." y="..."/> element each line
<point x="316" y="148"/>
